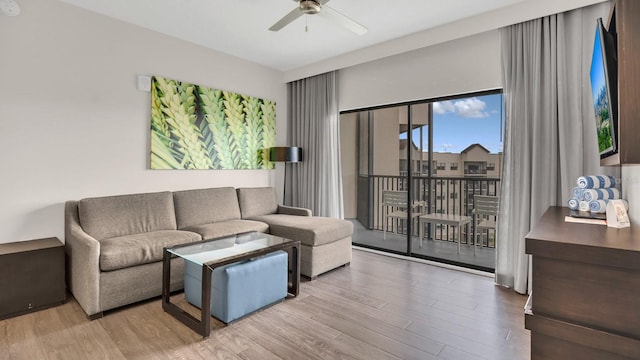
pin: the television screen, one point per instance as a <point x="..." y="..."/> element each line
<point x="601" y="89"/>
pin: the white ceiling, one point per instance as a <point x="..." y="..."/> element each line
<point x="240" y="27"/>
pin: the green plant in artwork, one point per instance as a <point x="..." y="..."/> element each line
<point x="197" y="127"/>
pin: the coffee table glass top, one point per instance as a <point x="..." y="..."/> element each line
<point x="215" y="249"/>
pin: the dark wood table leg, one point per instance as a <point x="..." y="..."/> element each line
<point x="203" y="326"/>
<point x="166" y="277"/>
<point x="294" y="273"/>
<point x="206" y="300"/>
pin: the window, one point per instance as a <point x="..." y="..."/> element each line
<point x="454" y="166"/>
<point x="425" y="168"/>
<point x="402" y="164"/>
<point x="453" y="196"/>
<point x="440" y="197"/>
<point x="442" y="166"/>
<point x="491" y="166"/>
<point x="453" y="182"/>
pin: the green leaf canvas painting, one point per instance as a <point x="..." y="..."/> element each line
<point x="198" y="127"/>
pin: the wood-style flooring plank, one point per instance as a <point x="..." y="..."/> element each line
<point x="378" y="308"/>
<point x="338" y="304"/>
<point x="339" y="340"/>
<point x="388" y="338"/>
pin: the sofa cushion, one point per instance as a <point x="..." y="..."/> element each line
<point x="114" y="216"/>
<point x="226" y="228"/>
<point x="131" y="250"/>
<point x="204" y="206"/>
<point x="310" y="230"/>
<point x="257" y="201"/>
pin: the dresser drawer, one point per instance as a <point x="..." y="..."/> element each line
<point x="601" y="297"/>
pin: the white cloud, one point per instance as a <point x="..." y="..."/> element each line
<point x="443" y="107"/>
<point x="469" y="108"/>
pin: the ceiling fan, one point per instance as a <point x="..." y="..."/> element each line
<point x="311" y="7"/>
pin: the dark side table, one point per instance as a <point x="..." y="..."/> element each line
<point x="31" y="276"/>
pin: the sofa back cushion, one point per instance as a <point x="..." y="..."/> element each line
<point x="205" y="206"/>
<point x="111" y="216"/>
<point x="257" y="201"/>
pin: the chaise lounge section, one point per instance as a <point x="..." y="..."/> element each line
<point x="325" y="242"/>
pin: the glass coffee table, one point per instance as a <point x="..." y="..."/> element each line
<point x="214" y="253"/>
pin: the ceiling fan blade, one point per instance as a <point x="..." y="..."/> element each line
<point x="343" y="20"/>
<point x="286" y="20"/>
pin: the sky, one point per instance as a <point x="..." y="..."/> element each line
<point x="463" y="122"/>
<point x="597" y="68"/>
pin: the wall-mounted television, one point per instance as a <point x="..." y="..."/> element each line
<point x="604" y="89"/>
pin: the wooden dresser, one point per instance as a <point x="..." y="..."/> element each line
<point x="585" y="302"/>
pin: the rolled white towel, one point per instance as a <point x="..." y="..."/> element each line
<point x="601" y="194"/>
<point x="577" y="192"/>
<point x="600" y="206"/>
<point x="596" y="181"/>
<point x="584" y="206"/>
<point x="573" y="204"/>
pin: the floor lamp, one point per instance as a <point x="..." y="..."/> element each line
<point x="286" y="154"/>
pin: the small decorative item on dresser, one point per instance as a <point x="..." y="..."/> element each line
<point x="31" y="276"/>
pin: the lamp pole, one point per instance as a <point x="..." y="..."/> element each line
<point x="286" y="154"/>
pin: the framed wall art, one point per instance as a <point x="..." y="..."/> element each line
<point x="198" y="127"/>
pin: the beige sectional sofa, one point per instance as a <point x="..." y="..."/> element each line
<point x="114" y="244"/>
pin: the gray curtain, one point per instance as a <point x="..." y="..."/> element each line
<point x="316" y="182"/>
<point x="550" y="128"/>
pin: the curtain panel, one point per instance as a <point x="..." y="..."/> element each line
<point x="549" y="127"/>
<point x="313" y="115"/>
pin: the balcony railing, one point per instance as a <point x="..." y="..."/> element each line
<point x="446" y="195"/>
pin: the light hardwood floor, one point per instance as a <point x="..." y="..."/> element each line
<point x="377" y="308"/>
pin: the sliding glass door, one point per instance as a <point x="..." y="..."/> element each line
<point x="412" y="173"/>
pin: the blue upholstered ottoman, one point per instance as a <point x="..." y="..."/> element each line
<point x="240" y="288"/>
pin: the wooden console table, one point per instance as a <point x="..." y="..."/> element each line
<point x="585" y="302"/>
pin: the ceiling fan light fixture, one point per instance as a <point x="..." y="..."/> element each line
<point x="309" y="6"/>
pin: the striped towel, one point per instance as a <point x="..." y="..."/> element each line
<point x="584" y="206"/>
<point x="573" y="204"/>
<point x="596" y="181"/>
<point x="601" y="194"/>
<point x="577" y="192"/>
<point x="600" y="206"/>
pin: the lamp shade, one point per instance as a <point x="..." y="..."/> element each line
<point x="285" y="153"/>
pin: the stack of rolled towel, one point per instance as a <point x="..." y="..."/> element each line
<point x="593" y="193"/>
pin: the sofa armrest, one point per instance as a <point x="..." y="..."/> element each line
<point x="290" y="210"/>
<point x="83" y="259"/>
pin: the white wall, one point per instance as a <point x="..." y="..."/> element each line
<point x="455" y="67"/>
<point x="631" y="191"/>
<point x="72" y="123"/>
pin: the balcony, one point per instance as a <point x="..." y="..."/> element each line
<point x="479" y="173"/>
<point x="440" y="195"/>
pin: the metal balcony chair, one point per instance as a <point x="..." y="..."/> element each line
<point x="397" y="201"/>
<point x="485" y="214"/>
